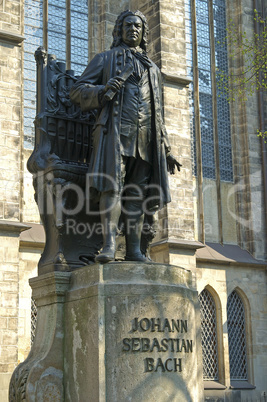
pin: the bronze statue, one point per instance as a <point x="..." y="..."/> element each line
<point x="131" y="152"/>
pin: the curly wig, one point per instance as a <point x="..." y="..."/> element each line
<point x="117" y="31"/>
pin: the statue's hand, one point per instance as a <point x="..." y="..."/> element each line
<point x="114" y="84"/>
<point x="171" y="163"/>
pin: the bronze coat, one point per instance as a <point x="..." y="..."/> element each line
<point x="106" y="157"/>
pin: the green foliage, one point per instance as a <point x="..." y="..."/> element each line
<point x="262" y="134"/>
<point x="253" y="76"/>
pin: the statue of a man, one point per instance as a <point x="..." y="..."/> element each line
<point x="131" y="152"/>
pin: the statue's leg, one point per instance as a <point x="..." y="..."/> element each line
<point x="133" y="239"/>
<point x="137" y="178"/>
<point x="110" y="209"/>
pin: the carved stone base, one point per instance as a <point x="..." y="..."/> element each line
<point x="40" y="377"/>
<point x="131" y="332"/>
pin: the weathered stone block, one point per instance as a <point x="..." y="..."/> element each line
<point x="16" y="111"/>
<point x="3" y="322"/>
<point x="12" y="323"/>
<point x="10" y="338"/>
<point x="10" y="312"/>
<point x="8" y="353"/>
<point x="10" y="276"/>
<point x="4" y="17"/>
<point x="12" y="7"/>
<point x="128" y="359"/>
<point x="11" y="211"/>
<point x="9" y="299"/>
<point x="11" y="254"/>
<point x="9" y="267"/>
<point x="5" y="110"/>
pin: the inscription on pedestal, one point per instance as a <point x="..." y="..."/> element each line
<point x="161" y="344"/>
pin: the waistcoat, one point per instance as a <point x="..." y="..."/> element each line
<point x="135" y="131"/>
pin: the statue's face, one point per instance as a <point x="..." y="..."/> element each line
<point x="132" y="30"/>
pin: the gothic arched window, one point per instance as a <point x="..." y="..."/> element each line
<point x="237" y="337"/>
<point x="209" y="335"/>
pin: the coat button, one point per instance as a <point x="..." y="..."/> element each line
<point x="119" y="53"/>
<point x="105" y="130"/>
<point x="118" y="71"/>
<point x="116" y="103"/>
<point x="115" y="113"/>
<point x="118" y="62"/>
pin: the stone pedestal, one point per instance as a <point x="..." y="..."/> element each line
<point x="40" y="377"/>
<point x="130" y="332"/>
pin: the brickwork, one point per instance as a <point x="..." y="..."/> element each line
<point x="255" y="159"/>
<point x="172" y="34"/>
<point x="167" y="49"/>
<point x="180" y="210"/>
<point x="10" y="190"/>
<point x="176" y="115"/>
<point x="27" y="269"/>
<point x="29" y="209"/>
<point x="10" y="15"/>
<point x="10" y="130"/>
<point x="10" y="111"/>
<point x="102" y="16"/>
<point x="247" y="155"/>
<point x="8" y="308"/>
<point x="17" y="265"/>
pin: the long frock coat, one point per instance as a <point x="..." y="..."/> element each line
<point x="106" y="156"/>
